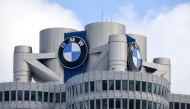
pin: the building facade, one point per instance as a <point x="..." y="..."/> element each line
<point x="101" y="67"/>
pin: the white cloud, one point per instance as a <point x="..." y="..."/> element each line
<point x="168" y="35"/>
<point x="20" y="23"/>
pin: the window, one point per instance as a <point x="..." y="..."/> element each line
<point x="182" y="105"/>
<point x="98" y="86"/>
<point x="6" y="95"/>
<point x="91" y="104"/>
<point x="73" y="90"/>
<point x="45" y="96"/>
<point x="143" y="104"/>
<point x="33" y="96"/>
<point x="1" y="97"/>
<point x="63" y="96"/>
<point x="176" y="105"/>
<point x="138" y="103"/>
<point x="92" y="86"/>
<point x="26" y="95"/>
<point x="104" y="84"/>
<point x="161" y="87"/>
<point x="77" y="105"/>
<point x="188" y="106"/>
<point x="104" y="103"/>
<point x="143" y="86"/>
<point x="171" y="105"/>
<point x="118" y="84"/>
<point x="19" y="94"/>
<point x="124" y="101"/>
<point x="154" y="105"/>
<point x="131" y="85"/>
<point x="111" y="84"/>
<point x="111" y="103"/>
<point x="57" y="97"/>
<point x="124" y="85"/>
<point x="158" y="89"/>
<point x="81" y="88"/>
<point x="97" y="103"/>
<point x="154" y="88"/>
<point x="81" y="105"/>
<point x="86" y="86"/>
<point x="118" y="103"/>
<point x="149" y="104"/>
<point x="51" y="98"/>
<point x="131" y="104"/>
<point x="77" y="90"/>
<point x="150" y="87"/>
<point x="13" y="95"/>
<point x="137" y="85"/>
<point x="73" y="107"/>
<point x="159" y="106"/>
<point x="163" y="90"/>
<point x="86" y="104"/>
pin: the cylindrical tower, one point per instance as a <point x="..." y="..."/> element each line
<point x="21" y="69"/>
<point x="117" y="52"/>
<point x="97" y="34"/>
<point x="50" y="40"/>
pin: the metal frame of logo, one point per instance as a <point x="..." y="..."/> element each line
<point x="83" y="55"/>
<point x="131" y="47"/>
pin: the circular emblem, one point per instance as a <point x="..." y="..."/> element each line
<point x="134" y="57"/>
<point x="72" y="52"/>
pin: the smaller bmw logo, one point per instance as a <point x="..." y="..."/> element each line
<point x="134" y="57"/>
<point x="72" y="52"/>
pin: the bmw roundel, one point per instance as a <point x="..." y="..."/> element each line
<point x="72" y="52"/>
<point x="134" y="57"/>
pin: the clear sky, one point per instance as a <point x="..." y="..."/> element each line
<point x="165" y="23"/>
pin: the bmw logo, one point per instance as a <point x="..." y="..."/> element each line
<point x="134" y="57"/>
<point x="72" y="52"/>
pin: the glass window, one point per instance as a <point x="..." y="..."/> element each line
<point x="104" y="103"/>
<point x="158" y="89"/>
<point x="143" y="86"/>
<point x="182" y="105"/>
<point x="6" y="95"/>
<point x="138" y="103"/>
<point x="188" y="106"/>
<point x="86" y="86"/>
<point x="131" y="85"/>
<point x="63" y="96"/>
<point x="1" y="97"/>
<point x="124" y="101"/>
<point x="13" y="95"/>
<point x="33" y="96"/>
<point x="97" y="103"/>
<point x="162" y="107"/>
<point x="73" y="90"/>
<point x="137" y="85"/>
<point x="26" y="95"/>
<point x="111" y="103"/>
<point x="19" y="95"/>
<point x="131" y="103"/>
<point x="163" y="90"/>
<point x="171" y="105"/>
<point x="111" y="84"/>
<point x="118" y="84"/>
<point x="154" y="88"/>
<point x="159" y="106"/>
<point x="57" y="97"/>
<point x="143" y="104"/>
<point x="77" y="105"/>
<point x="73" y="107"/>
<point x="104" y="84"/>
<point x="51" y="98"/>
<point x="77" y="91"/>
<point x="118" y="103"/>
<point x="45" y="96"/>
<point x="86" y="104"/>
<point x="149" y="104"/>
<point x="92" y="86"/>
<point x="150" y="87"/>
<point x="154" y="105"/>
<point x="176" y="105"/>
<point x="161" y="87"/>
<point x="124" y="85"/>
<point x="81" y="104"/>
<point x="98" y="86"/>
<point x="81" y="88"/>
<point x="91" y="104"/>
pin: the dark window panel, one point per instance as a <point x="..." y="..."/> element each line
<point x="137" y="85"/>
<point x="1" y="96"/>
<point x="118" y="84"/>
<point x="6" y="95"/>
<point x="45" y="96"/>
<point x="149" y="104"/>
<point x="118" y="102"/>
<point x="143" y="86"/>
<point x="92" y="86"/>
<point x="150" y="87"/>
<point x="97" y="103"/>
<point x="81" y="88"/>
<point x="182" y="105"/>
<point x="154" y="88"/>
<point x="131" y="85"/>
<point x="13" y="95"/>
<point x="73" y="91"/>
<point x="63" y="96"/>
<point x="138" y="103"/>
<point x="26" y="95"/>
<point x="188" y="106"/>
<point x="176" y="105"/>
<point x="86" y="86"/>
<point x="33" y="95"/>
<point x="104" y="103"/>
<point x="86" y="104"/>
<point x="57" y="97"/>
<point x="111" y="103"/>
<point x="91" y="104"/>
<point x="51" y="98"/>
<point x="158" y="89"/>
<point x="111" y="84"/>
<point x="81" y="104"/>
<point x="98" y="86"/>
<point x="19" y="95"/>
<point x="159" y="106"/>
<point x="124" y="101"/>
<point x="154" y="105"/>
<point x="104" y="84"/>
<point x="143" y="104"/>
<point x="131" y="103"/>
<point x="124" y="85"/>
<point x="76" y="91"/>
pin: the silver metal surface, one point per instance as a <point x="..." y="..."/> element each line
<point x="97" y="34"/>
<point x="117" y="52"/>
<point x="50" y="40"/>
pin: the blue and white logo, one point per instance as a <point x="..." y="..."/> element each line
<point x="71" y="52"/>
<point x="136" y="58"/>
